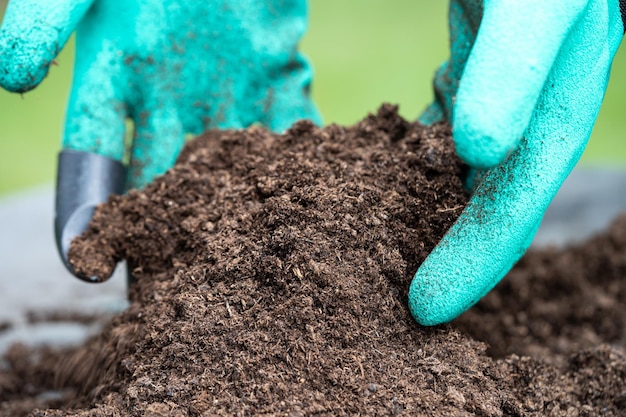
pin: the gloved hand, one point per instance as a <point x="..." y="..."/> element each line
<point x="522" y="89"/>
<point x="174" y="67"/>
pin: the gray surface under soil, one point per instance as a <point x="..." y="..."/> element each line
<point x="34" y="281"/>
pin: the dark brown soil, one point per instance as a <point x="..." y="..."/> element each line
<point x="4" y="326"/>
<point x="272" y="274"/>
<point x="56" y="316"/>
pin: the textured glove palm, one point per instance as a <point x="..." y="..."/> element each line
<point x="522" y="89"/>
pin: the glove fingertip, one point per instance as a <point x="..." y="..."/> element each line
<point x="430" y="303"/>
<point x="25" y="60"/>
<point x="480" y="142"/>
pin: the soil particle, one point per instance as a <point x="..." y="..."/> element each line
<point x="272" y="273"/>
<point x="60" y="316"/>
<point x="5" y="325"/>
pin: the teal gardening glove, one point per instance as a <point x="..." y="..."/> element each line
<point x="522" y="89"/>
<point x="174" y="67"/>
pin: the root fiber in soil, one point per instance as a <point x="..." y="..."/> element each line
<point x="272" y="273"/>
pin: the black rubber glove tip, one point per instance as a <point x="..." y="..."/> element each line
<point x="84" y="181"/>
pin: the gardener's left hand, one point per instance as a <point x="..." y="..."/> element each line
<point x="531" y="77"/>
<point x="174" y="67"/>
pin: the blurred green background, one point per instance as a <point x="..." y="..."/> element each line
<point x="365" y="52"/>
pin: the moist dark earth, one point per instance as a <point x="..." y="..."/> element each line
<point x="271" y="279"/>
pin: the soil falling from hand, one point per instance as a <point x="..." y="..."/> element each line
<point x="272" y="273"/>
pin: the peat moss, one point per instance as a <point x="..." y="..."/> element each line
<point x="272" y="273"/>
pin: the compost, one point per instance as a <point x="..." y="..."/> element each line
<point x="271" y="279"/>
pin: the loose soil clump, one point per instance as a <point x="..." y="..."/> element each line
<point x="272" y="274"/>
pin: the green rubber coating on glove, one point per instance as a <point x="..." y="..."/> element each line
<point x="33" y="33"/>
<point x="527" y="99"/>
<point x="174" y="67"/>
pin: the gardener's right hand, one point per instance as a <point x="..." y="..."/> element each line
<point x="531" y="77"/>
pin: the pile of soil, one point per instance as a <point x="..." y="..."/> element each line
<point x="272" y="274"/>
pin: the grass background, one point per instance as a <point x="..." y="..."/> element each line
<point x="364" y="52"/>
